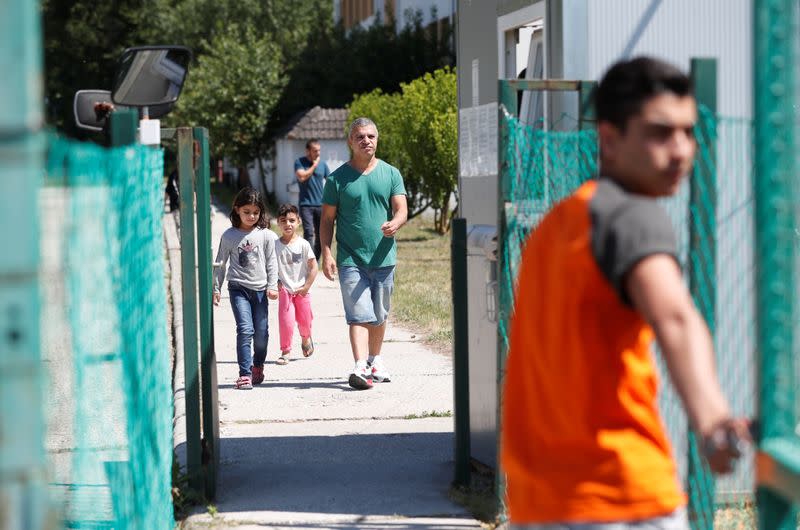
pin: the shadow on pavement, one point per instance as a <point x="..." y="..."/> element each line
<point x="405" y="474"/>
<point x="299" y="385"/>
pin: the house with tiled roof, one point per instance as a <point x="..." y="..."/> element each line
<point x="327" y="126"/>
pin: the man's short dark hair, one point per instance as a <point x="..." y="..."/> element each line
<point x="627" y="86"/>
<point x="311" y="142"/>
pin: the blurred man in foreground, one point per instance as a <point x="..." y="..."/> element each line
<point x="583" y="444"/>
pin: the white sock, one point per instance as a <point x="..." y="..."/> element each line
<point x="370" y="359"/>
<point x="361" y="364"/>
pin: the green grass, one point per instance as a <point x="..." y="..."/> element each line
<point x="431" y="414"/>
<point x="480" y="497"/>
<point x="422" y="296"/>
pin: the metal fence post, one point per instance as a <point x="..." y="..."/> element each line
<point x="703" y="267"/>
<point x="458" y="253"/>
<point x="123" y="124"/>
<point x="587" y="115"/>
<point x="508" y="103"/>
<point x="208" y="359"/>
<point x="774" y="62"/>
<point x="186" y="179"/>
<point x="23" y="475"/>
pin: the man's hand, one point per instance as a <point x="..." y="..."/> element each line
<point x="329" y="266"/>
<point x="725" y="443"/>
<point x="216" y="298"/>
<point x="399" y="216"/>
<point x="272" y="295"/>
<point x="390" y="228"/>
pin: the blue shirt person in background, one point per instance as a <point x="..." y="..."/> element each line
<point x="311" y="172"/>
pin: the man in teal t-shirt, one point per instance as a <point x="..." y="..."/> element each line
<point x="366" y="200"/>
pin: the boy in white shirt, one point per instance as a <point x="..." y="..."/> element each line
<point x="297" y="269"/>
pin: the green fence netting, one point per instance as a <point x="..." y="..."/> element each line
<point x="104" y="336"/>
<point x="713" y="217"/>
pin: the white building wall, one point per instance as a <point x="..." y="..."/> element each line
<point x="677" y="30"/>
<point x="334" y="153"/>
<point x="444" y="9"/>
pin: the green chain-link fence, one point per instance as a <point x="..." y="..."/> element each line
<point x="104" y="336"/>
<point x="713" y="217"/>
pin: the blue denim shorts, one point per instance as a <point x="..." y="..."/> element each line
<point x="366" y="293"/>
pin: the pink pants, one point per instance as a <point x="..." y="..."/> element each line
<point x="293" y="308"/>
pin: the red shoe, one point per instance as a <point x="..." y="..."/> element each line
<point x="258" y="375"/>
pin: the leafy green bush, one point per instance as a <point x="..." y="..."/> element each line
<point x="418" y="134"/>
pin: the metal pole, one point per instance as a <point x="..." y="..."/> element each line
<point x="508" y="103"/>
<point x="208" y="359"/>
<point x="23" y="475"/>
<point x="774" y="61"/>
<point x="458" y="253"/>
<point x="703" y="265"/>
<point x="587" y="115"/>
<point x="124" y="123"/>
<point x="194" y="468"/>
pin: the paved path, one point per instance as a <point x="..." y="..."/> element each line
<point x="304" y="450"/>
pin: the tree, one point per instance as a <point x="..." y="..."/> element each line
<point x="336" y="64"/>
<point x="428" y="117"/>
<point x="418" y="134"/>
<point x="233" y="89"/>
<point x="82" y="41"/>
<point x="246" y="44"/>
<point x="196" y="23"/>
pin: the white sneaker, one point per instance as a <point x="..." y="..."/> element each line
<point x="379" y="371"/>
<point x="360" y="378"/>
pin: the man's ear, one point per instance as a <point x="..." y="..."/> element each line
<point x="608" y="137"/>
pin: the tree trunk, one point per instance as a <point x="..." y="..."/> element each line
<point x="244" y="177"/>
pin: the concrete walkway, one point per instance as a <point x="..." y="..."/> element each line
<point x="304" y="450"/>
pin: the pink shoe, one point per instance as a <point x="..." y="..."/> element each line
<point x="244" y="383"/>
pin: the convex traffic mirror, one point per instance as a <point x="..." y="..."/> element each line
<point x="150" y="75"/>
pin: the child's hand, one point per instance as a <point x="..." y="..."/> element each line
<point x="216" y="298"/>
<point x="302" y="291"/>
<point x="272" y="295"/>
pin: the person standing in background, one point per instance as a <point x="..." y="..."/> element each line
<point x="311" y="173"/>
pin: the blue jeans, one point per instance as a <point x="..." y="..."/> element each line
<point x="366" y="293"/>
<point x="310" y="217"/>
<point x="250" y="311"/>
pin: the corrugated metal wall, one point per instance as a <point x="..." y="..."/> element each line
<point x="677" y="30"/>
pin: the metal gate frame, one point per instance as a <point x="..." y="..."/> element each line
<point x="774" y="85"/>
<point x="200" y="365"/>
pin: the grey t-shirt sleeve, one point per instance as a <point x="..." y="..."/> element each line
<point x="223" y="253"/>
<point x="271" y="258"/>
<point x="625" y="230"/>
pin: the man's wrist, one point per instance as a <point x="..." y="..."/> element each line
<point x="722" y="437"/>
